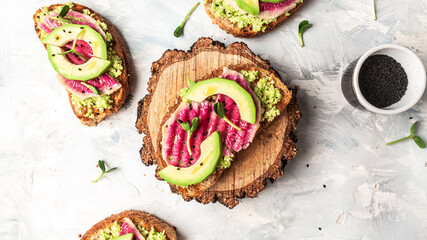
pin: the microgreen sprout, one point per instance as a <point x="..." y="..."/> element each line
<point x="62" y="13"/>
<point x="416" y="139"/>
<point x="190" y="130"/>
<point x="303" y="26"/>
<point x="92" y="88"/>
<point x="101" y="165"/>
<point x="375" y="11"/>
<point x="180" y="29"/>
<point x="219" y="110"/>
<point x="73" y="49"/>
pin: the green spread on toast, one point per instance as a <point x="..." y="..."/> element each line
<point x="267" y="93"/>
<point x="222" y="10"/>
<point x="114" y="231"/>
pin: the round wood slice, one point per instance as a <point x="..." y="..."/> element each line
<point x="263" y="159"/>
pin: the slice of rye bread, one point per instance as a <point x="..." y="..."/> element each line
<point x="125" y="78"/>
<point x="197" y="189"/>
<point x="144" y="219"/>
<point x="247" y="32"/>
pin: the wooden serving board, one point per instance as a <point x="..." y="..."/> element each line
<point x="263" y="159"/>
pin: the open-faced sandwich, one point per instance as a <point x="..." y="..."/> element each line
<point x="218" y="122"/>
<point x="217" y="117"/>
<point x="131" y="225"/>
<point x="249" y="18"/>
<point x="89" y="57"/>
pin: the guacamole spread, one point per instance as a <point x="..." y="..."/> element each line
<point x="102" y="103"/>
<point x="225" y="162"/>
<point x="266" y="92"/>
<point x="114" y="231"/>
<point x="223" y="10"/>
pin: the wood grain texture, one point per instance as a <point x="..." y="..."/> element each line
<point x="263" y="158"/>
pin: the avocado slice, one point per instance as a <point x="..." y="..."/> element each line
<point x="203" y="89"/>
<point x="128" y="236"/>
<point x="205" y="165"/>
<point x="68" y="33"/>
<point x="84" y="72"/>
<point x="250" y="6"/>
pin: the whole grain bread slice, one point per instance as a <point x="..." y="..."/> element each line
<point x="125" y="79"/>
<point x="143" y="219"/>
<point x="197" y="189"/>
<point x="247" y="32"/>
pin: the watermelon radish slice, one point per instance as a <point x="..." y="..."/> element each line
<point x="129" y="227"/>
<point x="105" y="83"/>
<point x="174" y="149"/>
<point x="268" y="10"/>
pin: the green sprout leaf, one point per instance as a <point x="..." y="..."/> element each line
<point x="416" y="139"/>
<point x="219" y="110"/>
<point x="73" y="49"/>
<point x="419" y="142"/>
<point x="184" y="125"/>
<point x="92" y="88"/>
<point x="190" y="130"/>
<point x="180" y="29"/>
<point x="190" y="83"/>
<point x="64" y="10"/>
<point x="303" y="26"/>
<point x="101" y="165"/>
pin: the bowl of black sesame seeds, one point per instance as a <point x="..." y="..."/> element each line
<point x="388" y="79"/>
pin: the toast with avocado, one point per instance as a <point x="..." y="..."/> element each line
<point x="90" y="59"/>
<point x="250" y="18"/>
<point x="131" y="225"/>
<point x="216" y="117"/>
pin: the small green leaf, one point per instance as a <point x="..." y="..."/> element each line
<point x="219" y="109"/>
<point x="414" y="127"/>
<point x="178" y="32"/>
<point x="419" y="142"/>
<point x="374" y="8"/>
<point x="194" y="124"/>
<point x="190" y="83"/>
<point x="92" y="88"/>
<point x="64" y="10"/>
<point x="303" y="26"/>
<point x="112" y="169"/>
<point x="101" y="164"/>
<point x="184" y="125"/>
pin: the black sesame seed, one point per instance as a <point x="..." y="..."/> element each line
<point x="53" y="55"/>
<point x="410" y="117"/>
<point x="69" y="31"/>
<point x="178" y="169"/>
<point x="320" y="228"/>
<point x="83" y="91"/>
<point x="110" y="88"/>
<point x="81" y="27"/>
<point x="63" y="30"/>
<point x="38" y="16"/>
<point x="324" y="186"/>
<point x="191" y="158"/>
<point x="193" y="146"/>
<point x="234" y="103"/>
<point x="201" y="164"/>
<point x="308" y="165"/>
<point x="97" y="113"/>
<point x="79" y="69"/>
<point x="90" y="42"/>
<point x="382" y="80"/>
<point x="204" y="134"/>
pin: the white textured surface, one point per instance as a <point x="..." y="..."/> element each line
<point x="47" y="158"/>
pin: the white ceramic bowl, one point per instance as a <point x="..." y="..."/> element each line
<point x="414" y="69"/>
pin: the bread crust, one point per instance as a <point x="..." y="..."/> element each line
<point x="197" y="189"/>
<point x="144" y="219"/>
<point x="247" y="32"/>
<point x="118" y="44"/>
